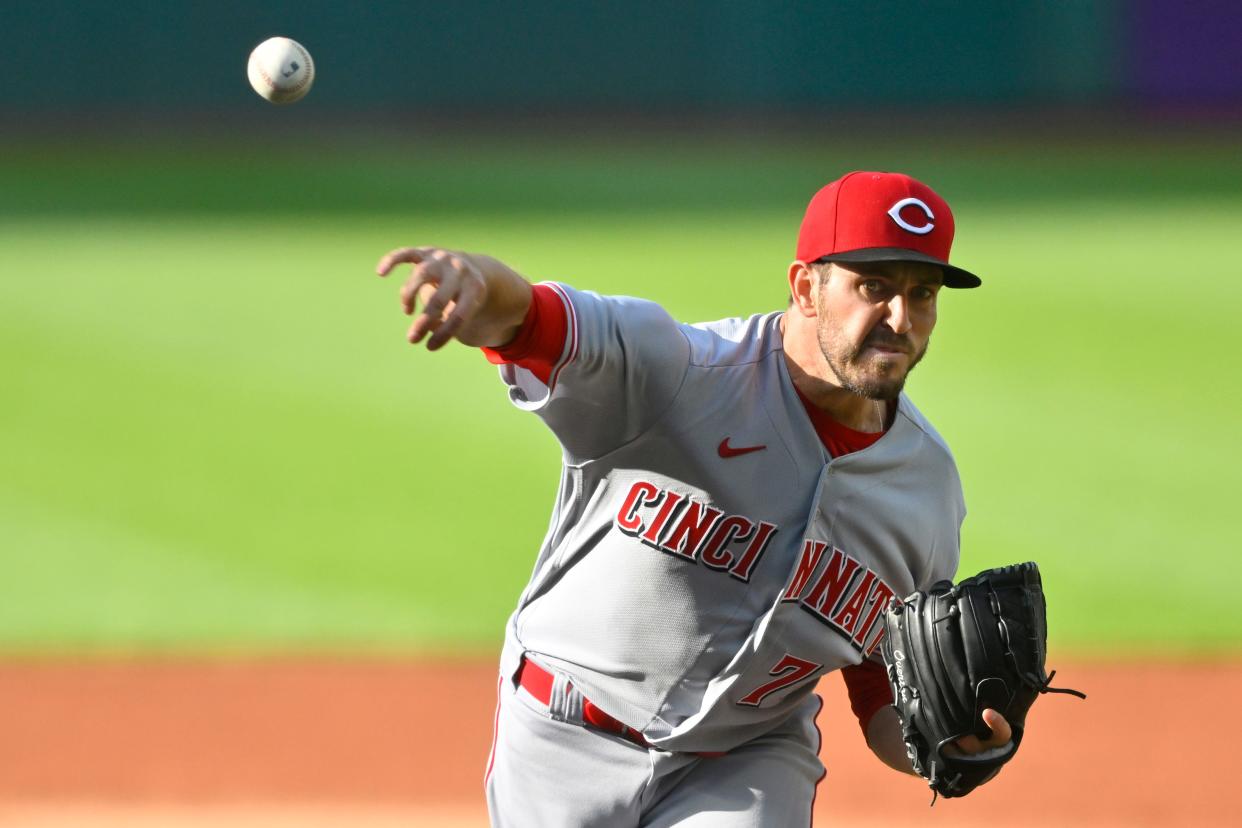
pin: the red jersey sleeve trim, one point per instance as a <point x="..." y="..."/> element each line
<point x="869" y="690"/>
<point x="547" y="339"/>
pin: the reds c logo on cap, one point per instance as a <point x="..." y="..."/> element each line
<point x="880" y="217"/>
<point x="894" y="213"/>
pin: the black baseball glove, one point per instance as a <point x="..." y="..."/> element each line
<point x="954" y="651"/>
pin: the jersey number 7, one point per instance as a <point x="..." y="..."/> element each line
<point x="788" y="671"/>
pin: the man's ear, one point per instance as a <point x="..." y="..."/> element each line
<point x="803" y="282"/>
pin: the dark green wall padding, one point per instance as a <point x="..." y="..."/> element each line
<point x="640" y="55"/>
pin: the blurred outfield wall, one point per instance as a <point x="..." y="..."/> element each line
<point x="161" y="58"/>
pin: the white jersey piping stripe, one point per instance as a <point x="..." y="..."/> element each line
<point x="491" y="755"/>
<point x="572" y="349"/>
<point x="572" y="345"/>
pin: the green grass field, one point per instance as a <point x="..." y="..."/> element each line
<point x="214" y="436"/>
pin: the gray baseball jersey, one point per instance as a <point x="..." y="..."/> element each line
<point x="706" y="560"/>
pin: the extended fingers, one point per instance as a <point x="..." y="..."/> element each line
<point x="402" y="255"/>
<point x="448" y="284"/>
<point x="410" y="290"/>
<point x="467" y="301"/>
<point x="429" y="270"/>
<point x="458" y="295"/>
<point x="445" y="271"/>
<point x="428" y="320"/>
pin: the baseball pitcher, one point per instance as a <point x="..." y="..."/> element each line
<point x="739" y="503"/>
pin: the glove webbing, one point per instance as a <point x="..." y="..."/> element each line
<point x="1042" y="684"/>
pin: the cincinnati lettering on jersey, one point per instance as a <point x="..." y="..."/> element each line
<point x="692" y="531"/>
<point x="846" y="596"/>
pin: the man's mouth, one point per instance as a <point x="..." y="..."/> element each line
<point x="886" y="348"/>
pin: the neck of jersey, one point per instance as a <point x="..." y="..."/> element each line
<point x="840" y="439"/>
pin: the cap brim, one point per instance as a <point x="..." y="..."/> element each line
<point x="954" y="277"/>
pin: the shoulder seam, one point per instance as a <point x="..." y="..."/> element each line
<point x="760" y="358"/>
<point x="776" y="345"/>
<point x="654" y="420"/>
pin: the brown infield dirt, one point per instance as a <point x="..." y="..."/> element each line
<point x="374" y="744"/>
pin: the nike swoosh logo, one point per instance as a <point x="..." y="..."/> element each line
<point x="725" y="450"/>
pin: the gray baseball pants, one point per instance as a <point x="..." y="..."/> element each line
<point x="546" y="770"/>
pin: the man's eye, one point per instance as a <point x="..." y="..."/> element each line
<point x="923" y="294"/>
<point x="873" y="286"/>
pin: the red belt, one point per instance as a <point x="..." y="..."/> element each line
<point x="538" y="682"/>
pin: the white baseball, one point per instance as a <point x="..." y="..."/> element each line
<point x="281" y="70"/>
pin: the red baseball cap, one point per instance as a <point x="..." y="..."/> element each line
<point x="880" y="217"/>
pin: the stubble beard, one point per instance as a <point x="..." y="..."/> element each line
<point x="871" y="380"/>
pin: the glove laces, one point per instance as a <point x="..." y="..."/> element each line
<point x="1043" y="687"/>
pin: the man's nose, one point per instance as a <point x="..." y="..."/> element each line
<point x="898" y="315"/>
